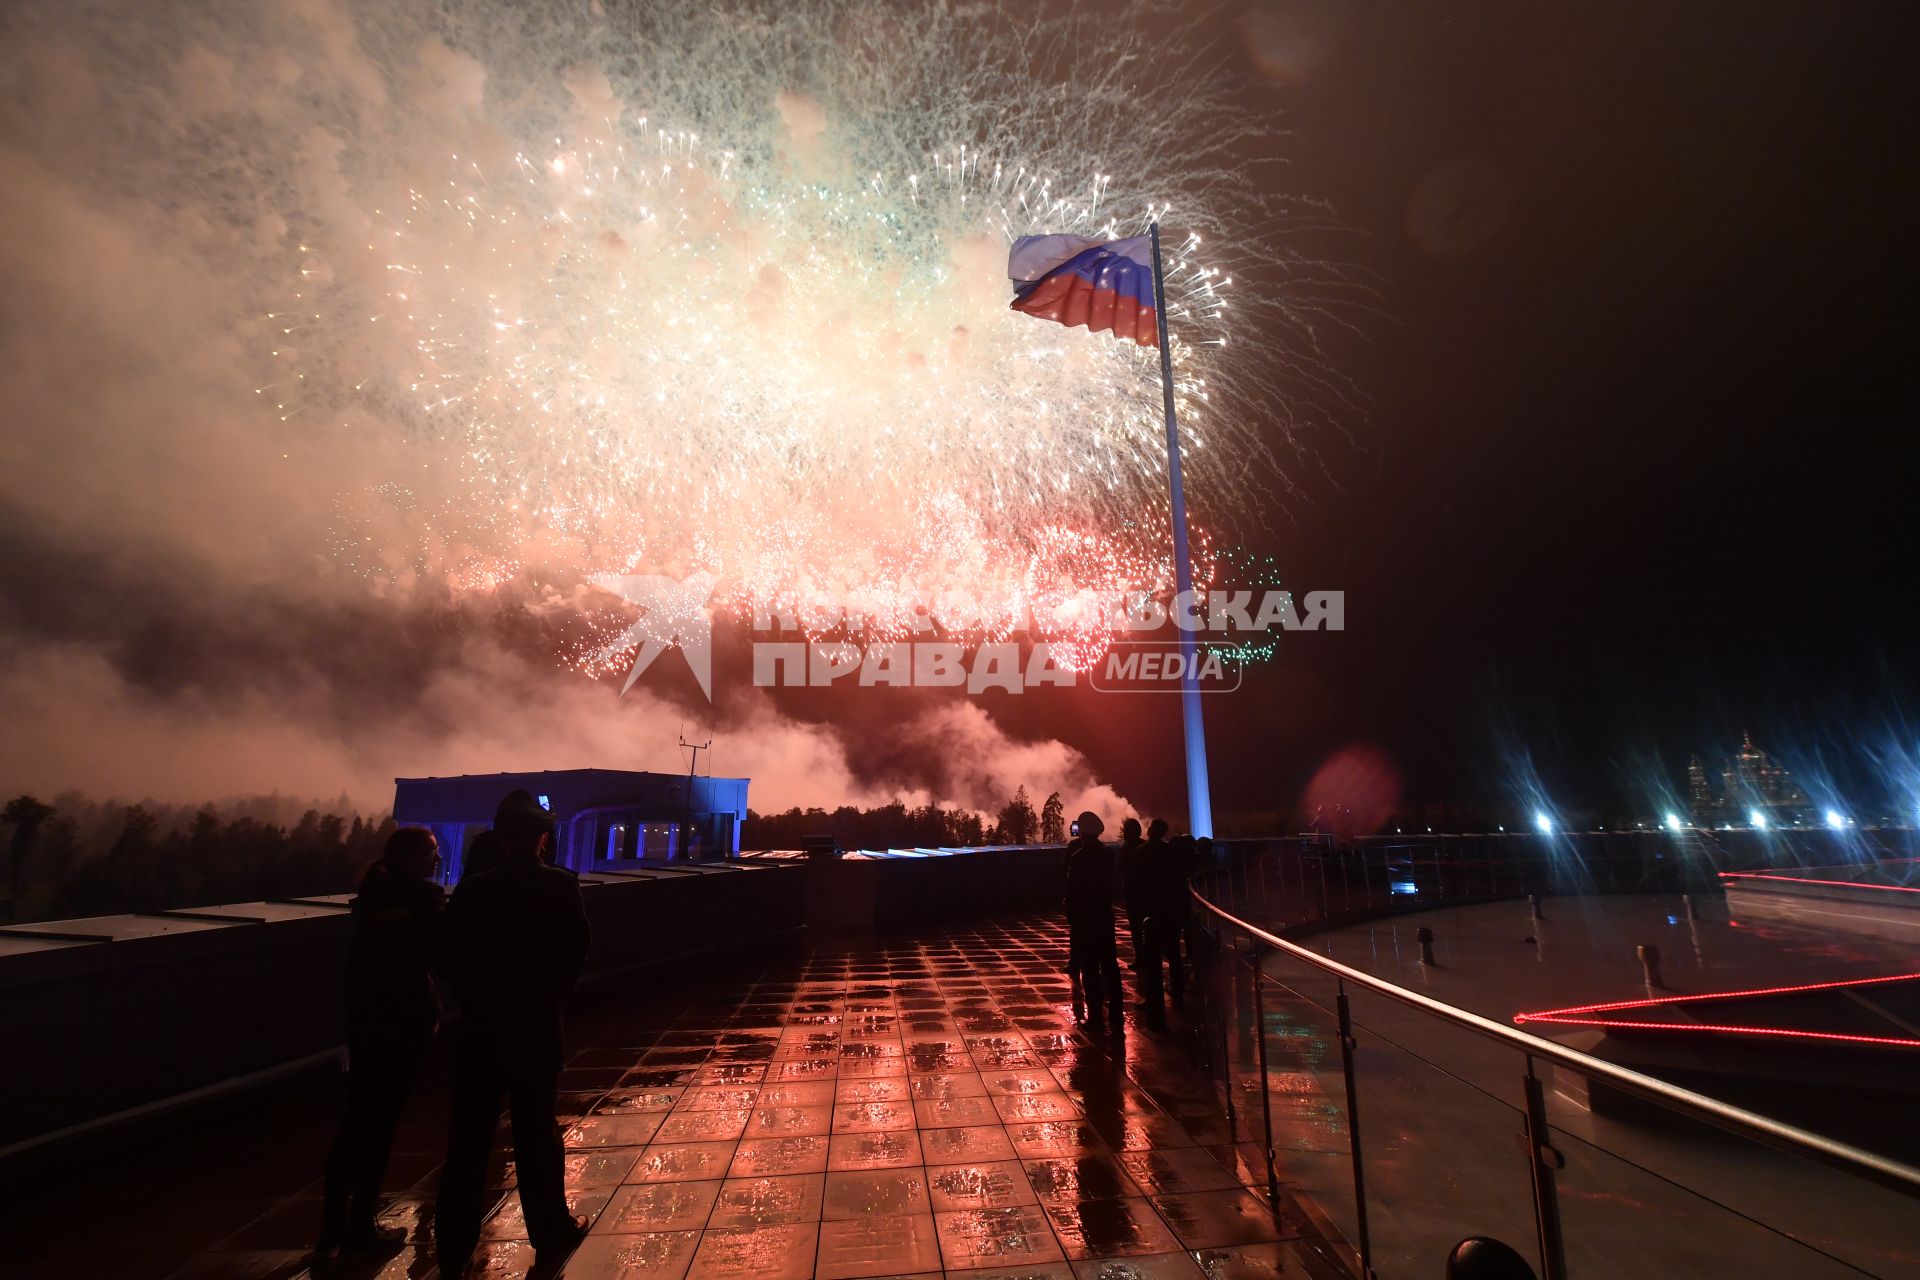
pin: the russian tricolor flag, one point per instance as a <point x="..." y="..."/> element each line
<point x="1102" y="284"/>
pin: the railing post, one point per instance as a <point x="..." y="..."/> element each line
<point x="1217" y="981"/>
<point x="1347" y="1046"/>
<point x="1266" y="1098"/>
<point x="1542" y="1159"/>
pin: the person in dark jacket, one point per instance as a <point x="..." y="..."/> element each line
<point x="487" y="849"/>
<point x="1171" y="868"/>
<point x="391" y="1015"/>
<point x="1129" y="862"/>
<point x="1148" y="867"/>
<point x="1092" y="956"/>
<point x="515" y="939"/>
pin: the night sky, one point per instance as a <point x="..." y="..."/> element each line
<point x="1635" y="475"/>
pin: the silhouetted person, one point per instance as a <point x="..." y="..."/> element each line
<point x="1092" y="956"/>
<point x="487" y="849"/>
<point x="391" y="1014"/>
<point x="1171" y="866"/>
<point x="1132" y="870"/>
<point x="482" y="856"/>
<point x="1140" y="871"/>
<point x="516" y="937"/>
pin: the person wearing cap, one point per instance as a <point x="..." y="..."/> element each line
<point x="1092" y="956"/>
<point x="487" y="849"/>
<point x="515" y="939"/>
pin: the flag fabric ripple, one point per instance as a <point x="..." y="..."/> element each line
<point x="1106" y="285"/>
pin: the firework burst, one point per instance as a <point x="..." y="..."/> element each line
<point x="670" y="291"/>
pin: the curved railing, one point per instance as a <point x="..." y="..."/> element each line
<point x="1476" y="1128"/>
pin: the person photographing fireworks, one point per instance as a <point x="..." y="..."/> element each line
<point x="1093" y="960"/>
<point x="516" y="938"/>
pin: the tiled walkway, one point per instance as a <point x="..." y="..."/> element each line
<point x="910" y="1107"/>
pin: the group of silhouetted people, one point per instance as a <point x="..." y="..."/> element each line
<point x="1151" y="876"/>
<point x="507" y="947"/>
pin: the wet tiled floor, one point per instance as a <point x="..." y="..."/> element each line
<point x="909" y="1107"/>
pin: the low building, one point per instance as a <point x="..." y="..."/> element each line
<point x="605" y="816"/>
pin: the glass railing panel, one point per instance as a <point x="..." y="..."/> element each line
<point x="1440" y="1122"/>
<point x="1647" y="1191"/>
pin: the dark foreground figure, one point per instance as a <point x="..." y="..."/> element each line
<point x="391" y="1015"/>
<point x="515" y="939"/>
<point x="1093" y="959"/>
<point x="1157" y="888"/>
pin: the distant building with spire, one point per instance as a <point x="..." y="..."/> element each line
<point x="1751" y="783"/>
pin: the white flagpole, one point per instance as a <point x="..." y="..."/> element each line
<point x="1199" y="797"/>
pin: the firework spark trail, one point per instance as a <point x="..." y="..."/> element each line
<point x="664" y="289"/>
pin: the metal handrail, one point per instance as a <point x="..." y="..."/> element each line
<point x="1840" y="1155"/>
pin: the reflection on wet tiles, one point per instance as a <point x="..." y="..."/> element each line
<point x="1015" y="1235"/>
<point x="929" y="1103"/>
<point x="659" y="1206"/>
<point x="1056" y="1138"/>
<point x="1211" y="1219"/>
<point x="812" y="1093"/>
<point x="1159" y="1266"/>
<point x="704" y="1126"/>
<point x="932" y="1088"/>
<point x="1109" y="1228"/>
<point x="888" y="1089"/>
<point x="790" y="1122"/>
<point x="1176" y="1169"/>
<point x="868" y="1117"/>
<point x="1018" y="1082"/>
<point x="1036" y="1106"/>
<point x="780" y="1251"/>
<point x="890" y="1150"/>
<point x="657" y="1256"/>
<point x="981" y="1185"/>
<point x="808" y="1069"/>
<point x="878" y="1245"/>
<point x="596" y="1168"/>
<point x="768" y="1156"/>
<point x="634" y="1130"/>
<point x="499" y="1258"/>
<point x="754" y="1202"/>
<point x="719" y="1098"/>
<point x="731" y="1073"/>
<point x="858" y="1193"/>
<point x="949" y="1113"/>
<point x="1088" y="1177"/>
<point x="508" y="1223"/>
<point x="683" y="1162"/>
<point x="625" y="1100"/>
<point x="965" y="1144"/>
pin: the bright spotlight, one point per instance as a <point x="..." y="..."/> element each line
<point x="1835" y="819"/>
<point x="1673" y="822"/>
<point x="1544" y="823"/>
<point x="1757" y="820"/>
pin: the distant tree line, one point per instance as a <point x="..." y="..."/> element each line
<point x="896" y="826"/>
<point x="80" y="857"/>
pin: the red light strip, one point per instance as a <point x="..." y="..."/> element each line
<point x="1573" y="1015"/>
<point x="1843" y="884"/>
<point x="1547" y="1014"/>
<point x="1712" y="1028"/>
